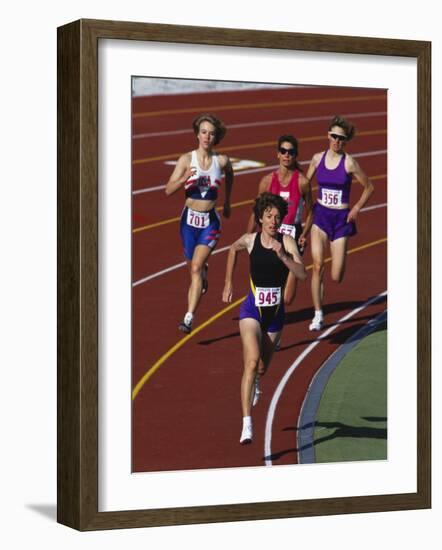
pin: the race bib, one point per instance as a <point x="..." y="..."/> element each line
<point x="200" y="220"/>
<point x="267" y="297"/>
<point x="332" y="197"/>
<point x="287" y="229"/>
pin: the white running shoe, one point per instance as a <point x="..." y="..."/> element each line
<point x="246" y="434"/>
<point x="256" y="392"/>
<point x="317" y="323"/>
<point x="186" y="324"/>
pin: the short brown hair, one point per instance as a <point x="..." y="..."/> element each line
<point x="269" y="200"/>
<point x="220" y="129"/>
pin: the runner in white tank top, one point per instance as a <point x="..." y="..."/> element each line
<point x="199" y="172"/>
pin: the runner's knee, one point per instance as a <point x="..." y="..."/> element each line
<point x="318" y="267"/>
<point x="251" y="365"/>
<point x="195" y="269"/>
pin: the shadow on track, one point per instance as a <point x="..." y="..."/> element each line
<point x="340" y="430"/>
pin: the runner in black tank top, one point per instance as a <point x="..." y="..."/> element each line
<point x="272" y="256"/>
<point x="267" y="272"/>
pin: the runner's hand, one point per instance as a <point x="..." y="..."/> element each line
<point x="227" y="293"/>
<point x="302" y="242"/>
<point x="353" y="214"/>
<point x="277" y="248"/>
<point x="188" y="174"/>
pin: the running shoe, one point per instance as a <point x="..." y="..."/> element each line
<point x="205" y="281"/>
<point x="246" y="434"/>
<point x="256" y="392"/>
<point x="317" y="323"/>
<point x="186" y="324"/>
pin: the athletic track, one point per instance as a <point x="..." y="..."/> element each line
<point x="186" y="407"/>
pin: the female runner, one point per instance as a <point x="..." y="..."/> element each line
<point x="289" y="183"/>
<point x="200" y="172"/>
<point x="272" y="256"/>
<point x="333" y="220"/>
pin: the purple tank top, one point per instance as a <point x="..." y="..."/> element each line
<point x="333" y="185"/>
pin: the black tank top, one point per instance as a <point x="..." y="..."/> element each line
<point x="266" y="269"/>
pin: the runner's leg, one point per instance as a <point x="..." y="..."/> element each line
<point x="338" y="249"/>
<point x="268" y="342"/>
<point x="200" y="256"/>
<point x="251" y="337"/>
<point x="318" y="242"/>
<point x="290" y="289"/>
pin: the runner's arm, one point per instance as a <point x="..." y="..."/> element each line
<point x="362" y="178"/>
<point x="228" y="172"/>
<point x="243" y="243"/>
<point x="291" y="257"/>
<point x="313" y="166"/>
<point x="306" y="191"/>
<point x="181" y="173"/>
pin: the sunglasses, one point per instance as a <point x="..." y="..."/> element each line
<point x="283" y="151"/>
<point x="339" y="137"/>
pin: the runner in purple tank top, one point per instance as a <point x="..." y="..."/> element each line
<point x="333" y="220"/>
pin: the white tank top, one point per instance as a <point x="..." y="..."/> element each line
<point x="204" y="184"/>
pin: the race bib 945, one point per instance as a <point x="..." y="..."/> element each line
<point x="267" y="296"/>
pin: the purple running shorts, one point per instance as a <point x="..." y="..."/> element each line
<point x="271" y="319"/>
<point x="333" y="222"/>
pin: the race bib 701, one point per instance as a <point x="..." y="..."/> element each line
<point x="200" y="220"/>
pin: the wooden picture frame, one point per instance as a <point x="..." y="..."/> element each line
<point x="77" y="387"/>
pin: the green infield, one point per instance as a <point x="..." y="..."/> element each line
<point x="351" y="421"/>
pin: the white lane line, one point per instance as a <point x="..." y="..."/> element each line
<point x="263" y="169"/>
<point x="217" y="251"/>
<point x="374" y="207"/>
<point x="263" y="123"/>
<point x="291" y="370"/>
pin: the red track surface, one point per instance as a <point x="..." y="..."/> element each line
<point x="187" y="414"/>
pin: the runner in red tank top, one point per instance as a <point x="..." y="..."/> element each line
<point x="289" y="183"/>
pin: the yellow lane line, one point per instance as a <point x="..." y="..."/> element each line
<point x="174" y="156"/>
<point x="219" y="208"/>
<point x="212" y="319"/>
<point x="238" y="106"/>
<point x="179" y="344"/>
